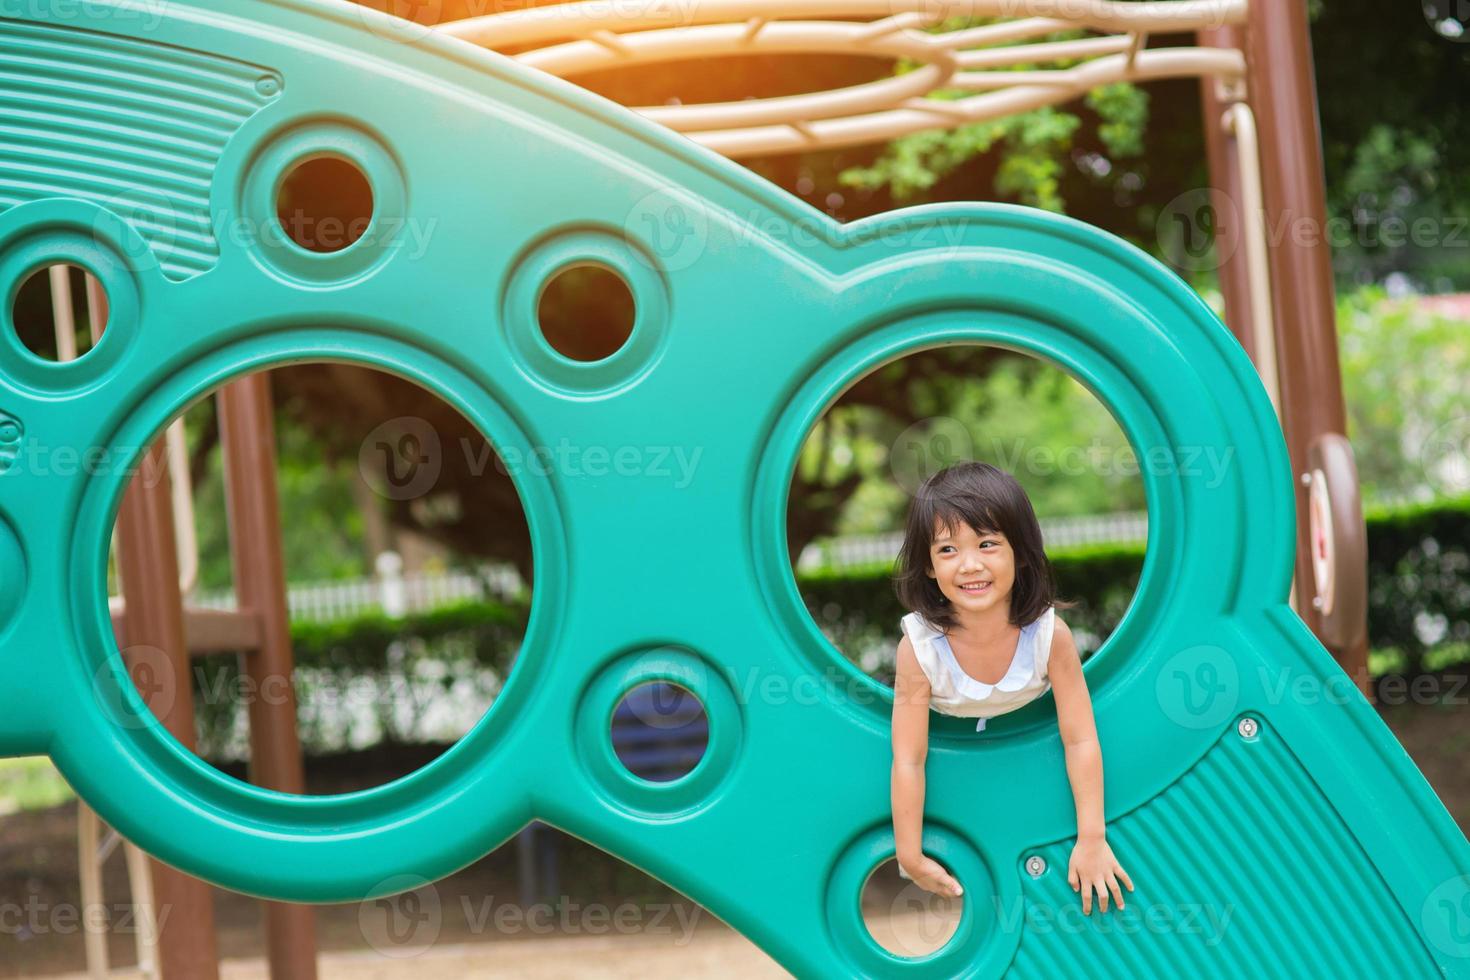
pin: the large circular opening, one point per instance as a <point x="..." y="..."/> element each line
<point x="407" y="561"/>
<point x="871" y="450"/>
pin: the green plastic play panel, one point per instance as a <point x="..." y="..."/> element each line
<point x="146" y="143"/>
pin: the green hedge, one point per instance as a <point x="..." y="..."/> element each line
<point x="1419" y="569"/>
<point x="398" y="673"/>
<point x="403" y="671"/>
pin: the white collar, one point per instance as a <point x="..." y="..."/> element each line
<point x="1017" y="676"/>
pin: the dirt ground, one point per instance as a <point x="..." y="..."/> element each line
<point x="714" y="952"/>
<point x="674" y="937"/>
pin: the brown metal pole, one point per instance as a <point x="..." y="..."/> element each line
<point x="1283" y="97"/>
<point x="149" y="570"/>
<point x="247" y="437"/>
<point x="1224" y="179"/>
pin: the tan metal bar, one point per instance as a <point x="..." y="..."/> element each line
<point x="209" y="630"/>
<point x="879" y="126"/>
<point x="1223" y="161"/>
<point x="91" y="859"/>
<point x="1239" y="122"/>
<point x="63" y="313"/>
<point x="90" y="866"/>
<point x="539" y="24"/>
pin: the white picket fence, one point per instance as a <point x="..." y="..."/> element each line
<point x="398" y="594"/>
<point x="330" y="601"/>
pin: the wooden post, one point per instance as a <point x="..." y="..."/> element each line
<point x="149" y="569"/>
<point x="1282" y="95"/>
<point x="247" y="437"/>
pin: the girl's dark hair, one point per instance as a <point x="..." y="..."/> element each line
<point x="988" y="499"/>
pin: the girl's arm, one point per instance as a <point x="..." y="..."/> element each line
<point x="910" y="750"/>
<point x="1093" y="866"/>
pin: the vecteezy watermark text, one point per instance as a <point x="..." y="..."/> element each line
<point x="931" y="444"/>
<point x="409" y="921"/>
<point x="163" y="225"/>
<point x="1202" y="686"/>
<point x="32" y="455"/>
<point x="36" y="917"/>
<point x="404" y="458"/>
<point x="1206" y="226"/>
<point x="930" y="920"/>
<point x="150" y="12"/>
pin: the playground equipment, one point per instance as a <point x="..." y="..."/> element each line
<point x="1227" y="787"/>
<point x="1278" y="300"/>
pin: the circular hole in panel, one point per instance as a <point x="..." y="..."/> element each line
<point x="691" y="714"/>
<point x="406" y="549"/>
<point x="905" y="919"/>
<point x="330" y="201"/>
<point x="52" y="312"/>
<point x="886" y="925"/>
<point x="325" y="204"/>
<point x="852" y="491"/>
<point x="586" y="312"/>
<point x="659" y="731"/>
<point x="73" y="263"/>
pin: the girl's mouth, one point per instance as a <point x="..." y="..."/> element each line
<point x="980" y="589"/>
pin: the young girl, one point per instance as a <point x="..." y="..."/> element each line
<point x="983" y="639"/>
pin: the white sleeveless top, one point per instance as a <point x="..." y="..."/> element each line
<point x="954" y="692"/>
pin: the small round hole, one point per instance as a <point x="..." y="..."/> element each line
<point x="586" y="312"/>
<point x="905" y="919"/>
<point x="660" y="731"/>
<point x="325" y="204"/>
<point x="53" y="312"/>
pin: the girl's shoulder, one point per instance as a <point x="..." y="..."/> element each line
<point x="1062" y="635"/>
<point x="914" y="625"/>
<point x="921" y="633"/>
<point x="1049" y="631"/>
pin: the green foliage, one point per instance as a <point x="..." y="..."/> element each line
<point x="1403" y="371"/>
<point x="1024" y="415"/>
<point x="1392" y="132"/>
<point x="425" y="677"/>
<point x="1034" y="147"/>
<point x="322" y="524"/>
<point x="31" y="783"/>
<point x="1418" y="573"/>
<point x="1388" y="199"/>
<point x="1123" y="111"/>
<point x="914" y="163"/>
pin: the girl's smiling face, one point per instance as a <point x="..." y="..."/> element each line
<point x="973" y="571"/>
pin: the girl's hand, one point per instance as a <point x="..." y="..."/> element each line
<point x="930" y="875"/>
<point x="1094" y="867"/>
